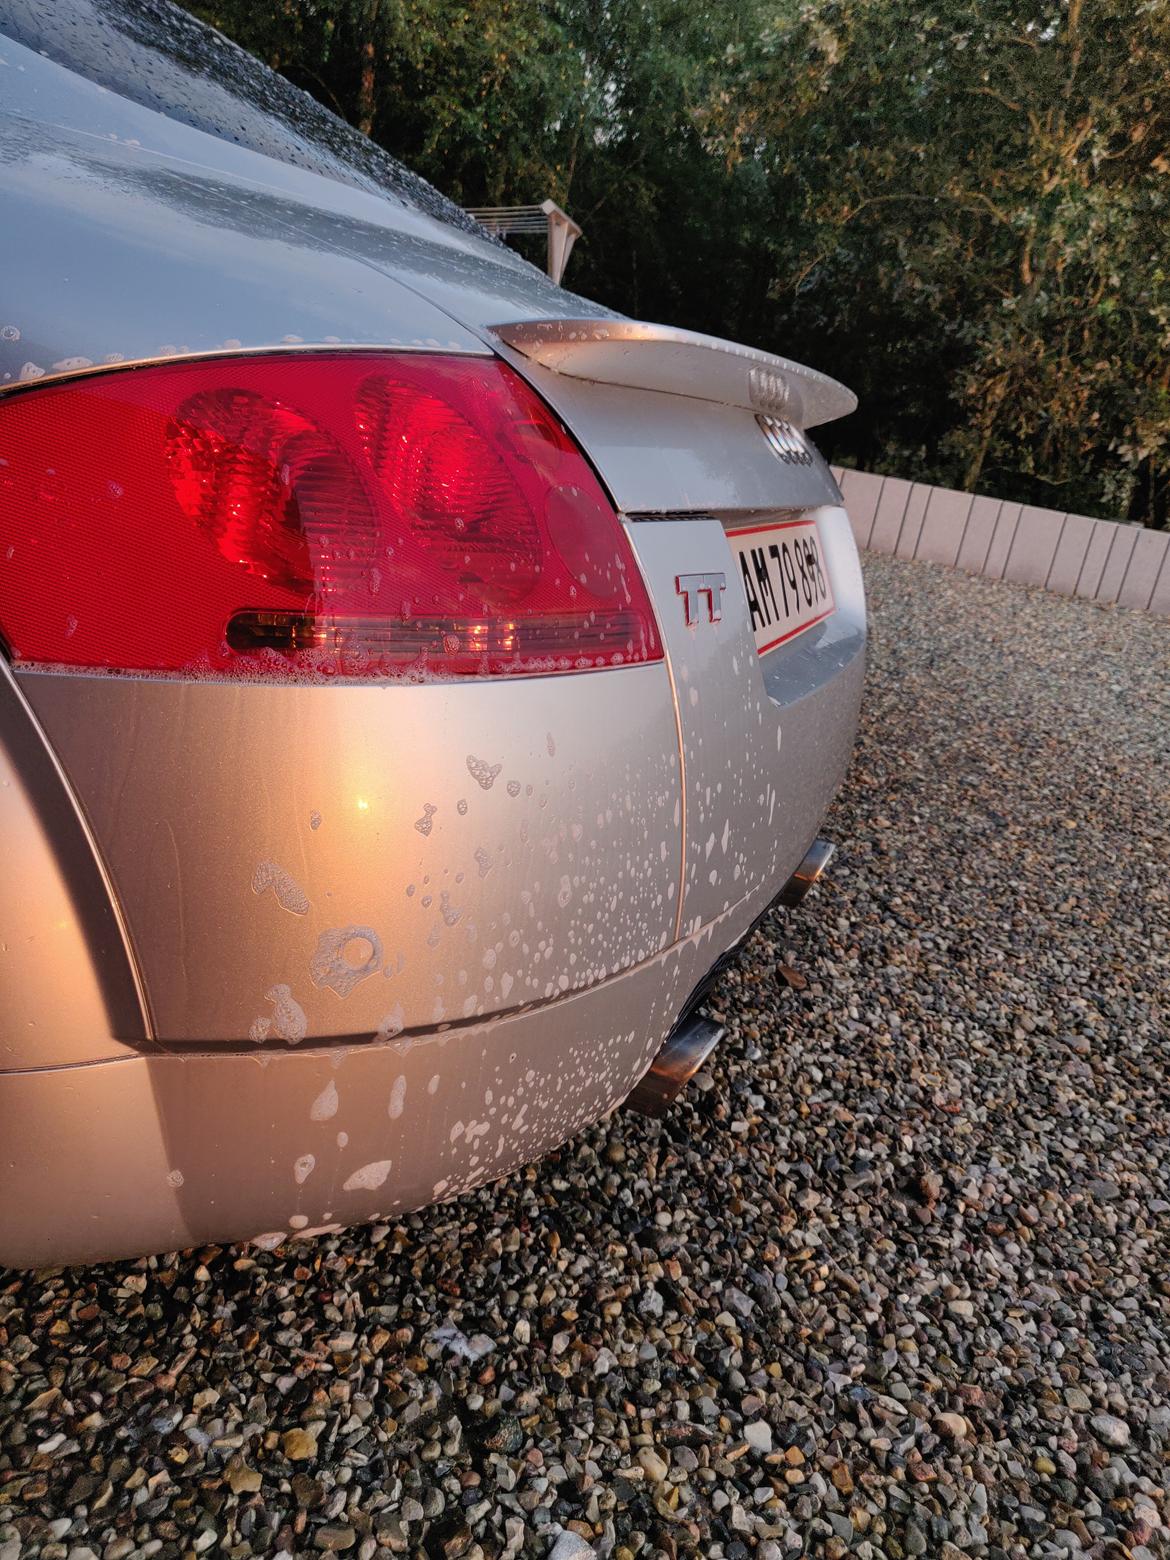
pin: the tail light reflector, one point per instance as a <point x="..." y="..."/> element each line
<point x="341" y="514"/>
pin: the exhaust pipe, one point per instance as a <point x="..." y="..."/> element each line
<point x="686" y="1048"/>
<point x="819" y="854"/>
<point x="692" y="1040"/>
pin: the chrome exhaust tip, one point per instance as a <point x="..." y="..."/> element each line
<point x="687" y="1047"/>
<point x="817" y="858"/>
<point x="692" y="1040"/>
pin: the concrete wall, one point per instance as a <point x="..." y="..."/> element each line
<point x="1101" y="560"/>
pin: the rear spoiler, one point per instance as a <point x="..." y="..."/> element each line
<point x="680" y="362"/>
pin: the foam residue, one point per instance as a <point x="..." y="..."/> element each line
<point x="393" y="1024"/>
<point x="330" y="966"/>
<point x="397" y="1097"/>
<point x="288" y="1016"/>
<point x="369" y="1177"/>
<point x="325" y="1105"/>
<point x="483" y="773"/>
<point x="289" y="894"/>
<point x="268" y="1241"/>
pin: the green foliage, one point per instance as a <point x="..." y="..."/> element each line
<point x="982" y="197"/>
<point x="961" y="210"/>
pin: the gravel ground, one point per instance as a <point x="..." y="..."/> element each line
<point x="892" y="1281"/>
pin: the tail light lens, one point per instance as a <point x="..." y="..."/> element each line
<point x="361" y="515"/>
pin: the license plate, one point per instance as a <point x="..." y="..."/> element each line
<point x="785" y="579"/>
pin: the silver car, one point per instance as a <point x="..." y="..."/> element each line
<point x="416" y="678"/>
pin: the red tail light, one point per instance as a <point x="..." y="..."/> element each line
<point x="355" y="515"/>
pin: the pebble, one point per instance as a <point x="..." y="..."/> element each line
<point x="571" y="1546"/>
<point x="242" y="1480"/>
<point x="334" y="1538"/>
<point x="1110" y="1430"/>
<point x="298" y="1445"/>
<point x="654" y="1467"/>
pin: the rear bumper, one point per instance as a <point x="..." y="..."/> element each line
<point x="160" y="1152"/>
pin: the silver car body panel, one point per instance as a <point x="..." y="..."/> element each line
<point x="143" y="239"/>
<point x="705" y="458"/>
<point x="68" y="982"/>
<point x="358" y="810"/>
<point x="318" y="970"/>
<point x="765" y="740"/>
<point x="383" y="858"/>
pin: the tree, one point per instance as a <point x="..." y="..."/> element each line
<point x="971" y="223"/>
<point x="961" y="210"/>
<point x="464" y="91"/>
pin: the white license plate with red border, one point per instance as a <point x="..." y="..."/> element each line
<point x="784" y="577"/>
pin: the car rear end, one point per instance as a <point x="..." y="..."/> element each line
<point x="415" y="680"/>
